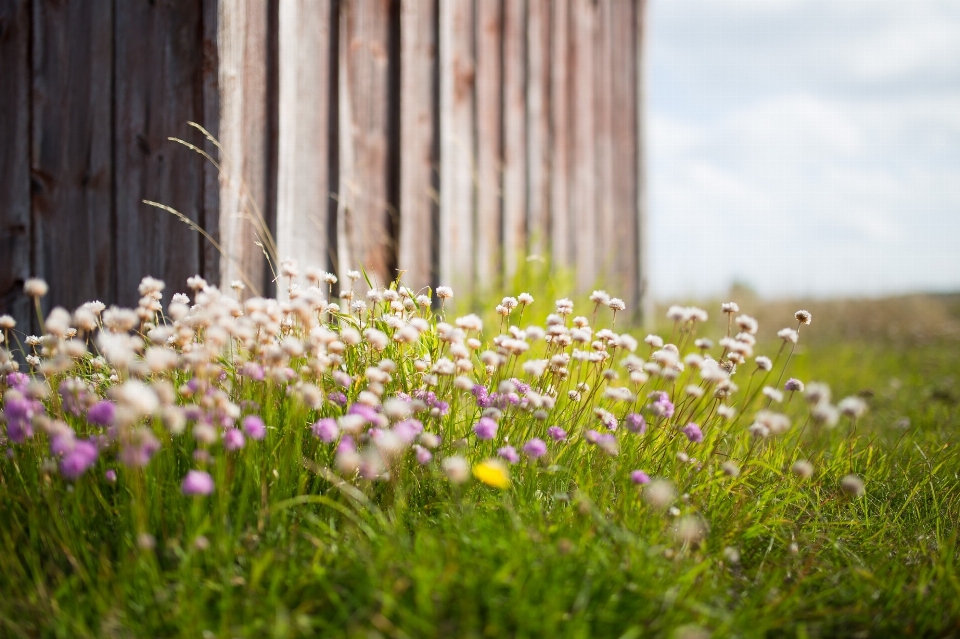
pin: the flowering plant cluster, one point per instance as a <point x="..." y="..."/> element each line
<point x="387" y="385"/>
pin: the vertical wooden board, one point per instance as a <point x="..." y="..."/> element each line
<point x="488" y="21"/>
<point x="15" y="159"/>
<point x="210" y="213"/>
<point x="457" y="86"/>
<point x="514" y="134"/>
<point x="583" y="183"/>
<point x="159" y="87"/>
<point x="561" y="134"/>
<point x="625" y="151"/>
<point x="643" y="263"/>
<point x="538" y="125"/>
<point x="418" y="141"/>
<point x="363" y="224"/>
<point x="603" y="200"/>
<point x="72" y="57"/>
<point x="304" y="146"/>
<point x="243" y="135"/>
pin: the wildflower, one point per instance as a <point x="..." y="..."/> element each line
<point x="509" y="453"/>
<point x="654" y="341"/>
<point x="557" y="434"/>
<point x="852" y="407"/>
<point x="197" y="482"/>
<point x="233" y="439"/>
<point x="35" y="287"/>
<point x="788" y="335"/>
<point x="254" y="427"/>
<point x="485" y="429"/>
<point x="690" y="530"/>
<point x="852" y="485"/>
<point x="564" y="306"/>
<point x="817" y="393"/>
<point x="102" y="413"/>
<point x="824" y="413"/>
<point x="804" y="317"/>
<point x="525" y="299"/>
<point x="138" y="446"/>
<point x="635" y="423"/>
<point x="493" y="473"/>
<point x="78" y="459"/>
<point x="616" y="304"/>
<point x="764" y="363"/>
<point x="730" y="307"/>
<point x="772" y="394"/>
<point x="457" y="469"/>
<point x="703" y="343"/>
<point x="639" y="477"/>
<point x="659" y="493"/>
<point x="693" y="432"/>
<point x="535" y="448"/>
<point x="110" y="476"/>
<point x="444" y="292"/>
<point x="599" y="297"/>
<point x="730" y="468"/>
<point x="793" y="385"/>
<point x="662" y="406"/>
<point x="802" y="469"/>
<point x="606" y="418"/>
<point x="747" y="324"/>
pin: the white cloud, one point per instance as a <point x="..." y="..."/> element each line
<point x="837" y="175"/>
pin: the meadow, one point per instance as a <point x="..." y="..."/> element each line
<point x="386" y="463"/>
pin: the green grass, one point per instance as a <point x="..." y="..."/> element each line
<point x="570" y="549"/>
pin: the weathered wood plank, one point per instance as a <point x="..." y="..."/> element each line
<point x="243" y="58"/>
<point x="159" y="88"/>
<point x="514" y="134"/>
<point x="304" y="186"/>
<point x="457" y="144"/>
<point x="488" y="21"/>
<point x="645" y="299"/>
<point x="419" y="137"/>
<point x="72" y="57"/>
<point x="602" y="143"/>
<point x="625" y="149"/>
<point x="363" y="224"/>
<point x="209" y="69"/>
<point x="15" y="159"/>
<point x="561" y="135"/>
<point x="538" y="125"/>
<point x="583" y="186"/>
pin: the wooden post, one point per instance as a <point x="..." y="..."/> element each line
<point x="538" y="125"/>
<point x="514" y="134"/>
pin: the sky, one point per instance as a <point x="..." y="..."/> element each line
<point x="803" y="147"/>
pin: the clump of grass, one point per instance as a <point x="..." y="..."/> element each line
<point x="377" y="465"/>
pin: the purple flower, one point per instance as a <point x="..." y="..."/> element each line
<point x="369" y="414"/>
<point x="197" y="482"/>
<point x="254" y="371"/>
<point x="254" y="427"/>
<point x="138" y="447"/>
<point x="233" y="439"/>
<point x="635" y="423"/>
<point x="110" y="476"/>
<point x="76" y="462"/>
<point x="342" y="379"/>
<point x="338" y="398"/>
<point x="102" y="413"/>
<point x="486" y="428"/>
<point x="608" y="444"/>
<point x="693" y="432"/>
<point x="73" y="393"/>
<point x="346" y="445"/>
<point x="522" y="387"/>
<point x="557" y="434"/>
<point x="423" y="455"/>
<point x="407" y="430"/>
<point x="19" y="413"/>
<point x="608" y="419"/>
<point x="793" y="385"/>
<point x="509" y="453"/>
<point x="535" y="448"/>
<point x="18" y="381"/>
<point x="662" y="406"/>
<point x="326" y="430"/>
<point x="639" y="477"/>
<point x="592" y="436"/>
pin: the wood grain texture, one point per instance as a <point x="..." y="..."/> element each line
<point x="514" y="135"/>
<point x="159" y="88"/>
<point x="210" y="79"/>
<point x="561" y="134"/>
<point x="243" y="57"/>
<point x="488" y="22"/>
<point x="304" y="148"/>
<point x="645" y="303"/>
<point x="72" y="117"/>
<point x="419" y="178"/>
<point x="457" y="145"/>
<point x="538" y="125"/>
<point x="583" y="185"/>
<point x="607" y="273"/>
<point x="15" y="159"/>
<point x="363" y="223"/>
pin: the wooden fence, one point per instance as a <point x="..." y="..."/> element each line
<point x="445" y="138"/>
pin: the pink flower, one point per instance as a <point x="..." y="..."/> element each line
<point x="197" y="482"/>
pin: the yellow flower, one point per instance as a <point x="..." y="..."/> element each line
<point x="493" y="473"/>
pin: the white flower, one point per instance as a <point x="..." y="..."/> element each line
<point x="788" y="335"/>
